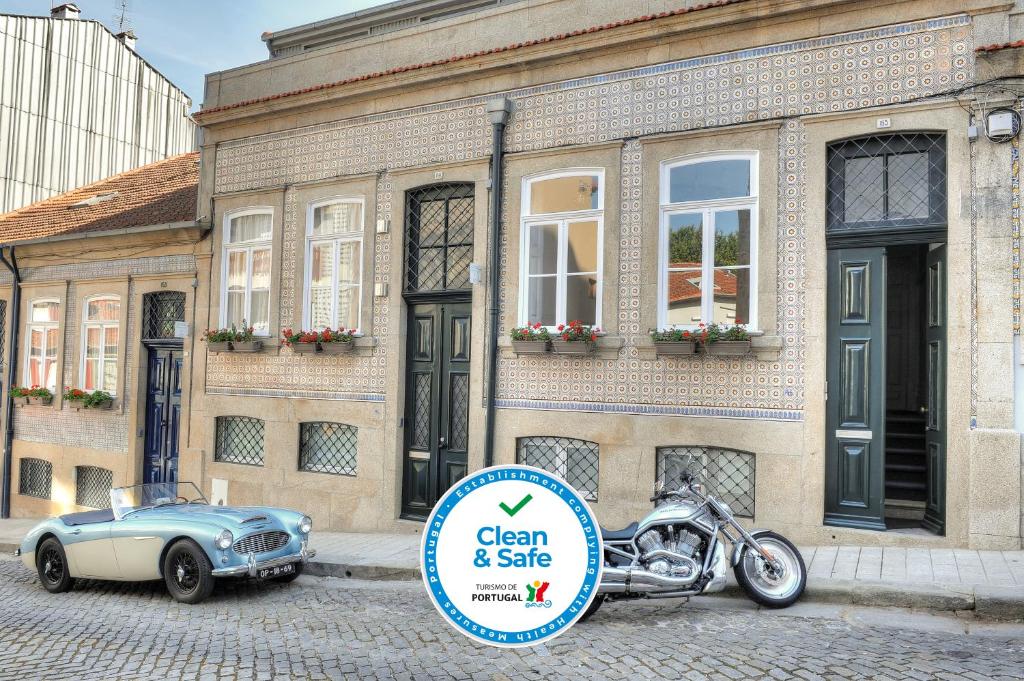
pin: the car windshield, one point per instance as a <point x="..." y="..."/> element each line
<point x="124" y="500"/>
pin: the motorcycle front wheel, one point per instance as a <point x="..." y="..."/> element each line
<point x="764" y="585"/>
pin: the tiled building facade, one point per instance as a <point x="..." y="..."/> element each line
<point x="621" y="103"/>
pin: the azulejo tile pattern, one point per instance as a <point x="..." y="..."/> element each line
<point x="1015" y="226"/>
<point x="834" y="73"/>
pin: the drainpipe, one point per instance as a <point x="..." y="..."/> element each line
<point x="12" y="366"/>
<point x="498" y="110"/>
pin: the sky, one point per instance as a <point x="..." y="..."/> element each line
<point x="186" y="39"/>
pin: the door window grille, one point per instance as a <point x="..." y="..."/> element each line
<point x="728" y="475"/>
<point x="575" y="461"/>
<point x="159" y="312"/>
<point x="439" y="238"/>
<point x="328" y="448"/>
<point x="35" y="478"/>
<point x="239" y="440"/>
<point x="887" y="181"/>
<point x="92" y="486"/>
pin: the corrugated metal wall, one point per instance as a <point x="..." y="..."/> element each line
<point x="76" y="106"/>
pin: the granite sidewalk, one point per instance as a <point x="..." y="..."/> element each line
<point x="988" y="583"/>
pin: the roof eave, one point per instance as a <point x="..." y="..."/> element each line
<point x="120" y="231"/>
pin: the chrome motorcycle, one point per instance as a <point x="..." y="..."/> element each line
<point x="679" y="550"/>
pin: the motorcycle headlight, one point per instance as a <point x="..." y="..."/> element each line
<point x="306" y="524"/>
<point x="224" y="540"/>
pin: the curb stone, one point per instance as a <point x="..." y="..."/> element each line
<point x="986" y="601"/>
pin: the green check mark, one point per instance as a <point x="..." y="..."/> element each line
<point x="517" y="508"/>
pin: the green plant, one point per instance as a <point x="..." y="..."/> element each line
<point x="98" y="398"/>
<point x="244" y="335"/>
<point x="673" y="336"/>
<point x="20" y="392"/>
<point x="336" y="336"/>
<point x="576" y="332"/>
<point x="530" y="332"/>
<point x="75" y="394"/>
<point x="714" y="332"/>
<point x="292" y="337"/>
<point x="40" y="392"/>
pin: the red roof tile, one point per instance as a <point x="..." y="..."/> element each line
<point x="159" y="193"/>
<point x="999" y="46"/>
<point x="471" y="55"/>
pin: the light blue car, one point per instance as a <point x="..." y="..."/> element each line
<point x="170" y="532"/>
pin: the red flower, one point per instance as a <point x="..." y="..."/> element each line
<point x="561" y="327"/>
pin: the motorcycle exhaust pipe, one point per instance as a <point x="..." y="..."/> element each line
<point x="633" y="580"/>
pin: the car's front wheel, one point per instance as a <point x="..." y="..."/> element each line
<point x="188" y="572"/>
<point x="52" y="566"/>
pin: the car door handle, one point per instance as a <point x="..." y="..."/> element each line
<point x="76" y="532"/>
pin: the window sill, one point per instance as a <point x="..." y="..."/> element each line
<point x="608" y="347"/>
<point x="762" y="347"/>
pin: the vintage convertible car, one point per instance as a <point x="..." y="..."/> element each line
<point x="168" y="531"/>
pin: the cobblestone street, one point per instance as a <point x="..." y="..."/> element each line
<point x="325" y="627"/>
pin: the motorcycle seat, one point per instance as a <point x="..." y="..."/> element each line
<point x="626" y="532"/>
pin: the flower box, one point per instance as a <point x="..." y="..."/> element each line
<point x="337" y="347"/>
<point x="674" y="348"/>
<point x="564" y="347"/>
<point x="20" y="401"/>
<point x="105" y="404"/>
<point x="530" y="347"/>
<point x="41" y="401"/>
<point x="305" y="348"/>
<point x="218" y="346"/>
<point x="77" y="405"/>
<point x="728" y="348"/>
<point x="245" y="346"/>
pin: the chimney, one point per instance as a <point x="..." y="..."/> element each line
<point x="128" y="38"/>
<point x="66" y="11"/>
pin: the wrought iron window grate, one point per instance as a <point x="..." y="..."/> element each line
<point x="35" y="478"/>
<point x="575" y="461"/>
<point x="159" y="312"/>
<point x="328" y="448"/>
<point x="439" y="237"/>
<point x="92" y="486"/>
<point x="239" y="440"/>
<point x="728" y="474"/>
<point x="887" y="181"/>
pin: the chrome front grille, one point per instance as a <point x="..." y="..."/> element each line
<point x="261" y="542"/>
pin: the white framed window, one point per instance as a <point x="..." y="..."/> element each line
<point x="562" y="236"/>
<point x="245" y="288"/>
<point x="334" y="253"/>
<point x="101" y="329"/>
<point x="43" y="333"/>
<point x="707" y="252"/>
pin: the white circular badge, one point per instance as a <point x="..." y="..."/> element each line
<point x="511" y="556"/>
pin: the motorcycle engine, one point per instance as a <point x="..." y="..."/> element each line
<point x="685" y="543"/>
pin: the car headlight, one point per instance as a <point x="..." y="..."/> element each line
<point x="224" y="540"/>
<point x="306" y="524"/>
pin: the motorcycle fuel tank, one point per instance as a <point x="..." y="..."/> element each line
<point x="676" y="513"/>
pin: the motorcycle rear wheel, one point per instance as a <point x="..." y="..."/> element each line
<point x="757" y="580"/>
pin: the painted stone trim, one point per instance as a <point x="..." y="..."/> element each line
<point x="654" y="410"/>
<point x="1015" y="228"/>
<point x="298" y="394"/>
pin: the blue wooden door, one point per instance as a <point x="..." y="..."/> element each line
<point x="163" y="415"/>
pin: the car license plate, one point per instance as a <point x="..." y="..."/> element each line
<point x="277" y="571"/>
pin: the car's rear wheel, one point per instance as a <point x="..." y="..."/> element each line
<point x="188" y="572"/>
<point x="52" y="566"/>
<point x="285" y="579"/>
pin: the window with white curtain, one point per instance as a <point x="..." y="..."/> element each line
<point x="334" y="251"/>
<point x="245" y="291"/>
<point x="42" y="332"/>
<point x="101" y="328"/>
<point x="562" y="226"/>
<point x="708" y="241"/>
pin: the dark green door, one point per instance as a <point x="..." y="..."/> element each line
<point x="935" y="431"/>
<point x="855" y="394"/>
<point x="437" y="403"/>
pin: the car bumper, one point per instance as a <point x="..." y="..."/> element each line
<point x="252" y="565"/>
